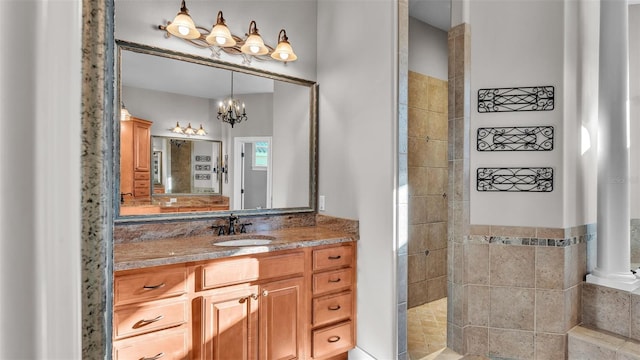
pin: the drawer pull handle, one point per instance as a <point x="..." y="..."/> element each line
<point x="334" y="280"/>
<point x="335" y="257"/>
<point x="153" y="357"/>
<point x="152" y="287"/>
<point x="334" y="307"/>
<point x="333" y="339"/>
<point x="145" y="322"/>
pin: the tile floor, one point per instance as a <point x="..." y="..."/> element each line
<point x="427" y="329"/>
<point x="427" y="333"/>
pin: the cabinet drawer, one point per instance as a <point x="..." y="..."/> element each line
<point x="141" y="175"/>
<point x="332" y="257"/>
<point x="166" y="344"/>
<point x="149" y="285"/>
<point x="141" y="184"/>
<point x="235" y="271"/>
<point x="332" y="280"/>
<point x="332" y="308"/>
<point x="140" y="192"/>
<point x="141" y="319"/>
<point x="333" y="340"/>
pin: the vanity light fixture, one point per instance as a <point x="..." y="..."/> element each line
<point x="188" y="130"/>
<point x="219" y="39"/>
<point x="220" y="34"/>
<point x="125" y="115"/>
<point x="283" y="51"/>
<point x="254" y="45"/>
<point x="230" y="111"/>
<point x="182" y="25"/>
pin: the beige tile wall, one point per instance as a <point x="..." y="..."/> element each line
<point x="428" y="181"/>
<point x="524" y="289"/>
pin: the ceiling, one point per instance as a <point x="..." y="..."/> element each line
<point x="436" y="13"/>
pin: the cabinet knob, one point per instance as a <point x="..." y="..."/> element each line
<point x="265" y="293"/>
<point x="158" y="356"/>
<point x="254" y="296"/>
<point x="333" y="339"/>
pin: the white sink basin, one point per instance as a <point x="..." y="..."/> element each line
<point x="243" y="242"/>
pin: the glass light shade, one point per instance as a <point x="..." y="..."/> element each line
<point x="177" y="129"/>
<point x="254" y="45"/>
<point x="284" y="52"/>
<point x="183" y="27"/>
<point x="220" y="36"/>
<point x="124" y="114"/>
<point x="201" y="131"/>
<point x="189" y="130"/>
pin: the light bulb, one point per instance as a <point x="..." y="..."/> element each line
<point x="254" y="49"/>
<point x="221" y="40"/>
<point x="284" y="56"/>
<point x="183" y="30"/>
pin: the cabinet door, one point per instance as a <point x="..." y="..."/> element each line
<point x="228" y="322"/>
<point x="141" y="147"/>
<point x="281" y="319"/>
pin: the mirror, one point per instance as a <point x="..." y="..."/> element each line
<point x="185" y="166"/>
<point x="262" y="165"/>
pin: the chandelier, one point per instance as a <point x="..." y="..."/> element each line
<point x="219" y="38"/>
<point x="230" y="111"/>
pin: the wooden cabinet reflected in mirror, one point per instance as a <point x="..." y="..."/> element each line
<point x="202" y="173"/>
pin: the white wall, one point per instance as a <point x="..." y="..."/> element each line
<point x="290" y="146"/>
<point x="634" y="108"/>
<point x="165" y="109"/>
<point x="428" y="50"/>
<point x="518" y="44"/>
<point x="358" y="150"/>
<point x="138" y="21"/>
<point x="40" y="180"/>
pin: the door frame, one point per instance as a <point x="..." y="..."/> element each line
<point x="238" y="178"/>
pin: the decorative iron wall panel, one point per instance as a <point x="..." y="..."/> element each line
<point x="536" y="179"/>
<point x="523" y="138"/>
<point x="535" y="98"/>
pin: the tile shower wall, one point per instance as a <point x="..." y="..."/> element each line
<point x="428" y="181"/>
<point x="522" y="290"/>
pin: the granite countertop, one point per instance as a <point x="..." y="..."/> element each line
<point x="142" y="254"/>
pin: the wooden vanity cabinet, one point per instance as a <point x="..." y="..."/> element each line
<point x="251" y="308"/>
<point x="291" y="304"/>
<point x="135" y="158"/>
<point x="333" y="301"/>
<point x="151" y="314"/>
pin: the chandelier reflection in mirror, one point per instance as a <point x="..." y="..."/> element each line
<point x="230" y="111"/>
<point x="219" y="39"/>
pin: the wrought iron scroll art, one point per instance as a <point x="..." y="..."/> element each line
<point x="537" y="179"/>
<point x="535" y="98"/>
<point x="524" y="138"/>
